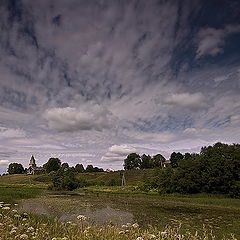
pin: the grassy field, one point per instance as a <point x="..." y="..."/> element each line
<point x="133" y="177"/>
<point x="193" y="212"/>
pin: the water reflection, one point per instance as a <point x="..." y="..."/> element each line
<point x="96" y="213"/>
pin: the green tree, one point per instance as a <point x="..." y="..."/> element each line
<point x="145" y="161"/>
<point x="158" y="161"/>
<point x="96" y="169"/>
<point x="65" y="166"/>
<point x="15" y="168"/>
<point x="133" y="161"/>
<point x="89" y="168"/>
<point x="65" y="180"/>
<point x="175" y="158"/>
<point x="79" y="168"/>
<point x="53" y="164"/>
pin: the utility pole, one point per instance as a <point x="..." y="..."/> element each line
<point x="123" y="180"/>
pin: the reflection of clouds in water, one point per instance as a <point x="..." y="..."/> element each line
<point x="107" y="215"/>
<point x="101" y="216"/>
<point x="96" y="215"/>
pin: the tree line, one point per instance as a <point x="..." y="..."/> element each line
<point x="53" y="164"/>
<point x="135" y="161"/>
<point x="216" y="169"/>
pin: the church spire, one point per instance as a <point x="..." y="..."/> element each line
<point x="32" y="162"/>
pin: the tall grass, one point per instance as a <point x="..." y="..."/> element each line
<point x="14" y="225"/>
<point x="12" y="194"/>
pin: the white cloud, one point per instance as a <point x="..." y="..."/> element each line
<point x="73" y="119"/>
<point x="235" y="120"/>
<point x="162" y="137"/>
<point x="4" y="162"/>
<point x="211" y="41"/>
<point x="192" y="101"/>
<point x="11" y="133"/>
<point x="117" y="153"/>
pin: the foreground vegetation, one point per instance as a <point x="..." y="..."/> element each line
<point x="216" y="213"/>
<point x="201" y="215"/>
<point x="15" y="225"/>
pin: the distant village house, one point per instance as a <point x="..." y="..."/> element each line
<point x="33" y="169"/>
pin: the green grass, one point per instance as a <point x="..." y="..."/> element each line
<point x="14" y="225"/>
<point x="216" y="212"/>
<point x="24" y="179"/>
<point x="222" y="215"/>
<point x="133" y="177"/>
<point x="10" y="194"/>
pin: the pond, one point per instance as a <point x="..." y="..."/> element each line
<point x="154" y="211"/>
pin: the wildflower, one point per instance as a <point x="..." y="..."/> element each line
<point x="14" y="210"/>
<point x="30" y="229"/>
<point x="151" y="236"/>
<point x="23" y="236"/>
<point x="6" y="208"/>
<point x="81" y="217"/>
<point x="164" y="233"/>
<point x="13" y="231"/>
<point x="139" y="238"/>
<point x="135" y="225"/>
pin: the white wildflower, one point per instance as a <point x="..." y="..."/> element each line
<point x="151" y="236"/>
<point x="30" y="229"/>
<point x="23" y="236"/>
<point x="13" y="231"/>
<point x="81" y="217"/>
<point x="6" y="208"/>
<point x="135" y="225"/>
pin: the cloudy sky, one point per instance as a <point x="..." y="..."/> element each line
<point x="91" y="81"/>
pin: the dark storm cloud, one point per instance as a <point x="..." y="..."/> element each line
<point x="125" y="72"/>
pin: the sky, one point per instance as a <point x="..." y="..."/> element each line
<point x="92" y="81"/>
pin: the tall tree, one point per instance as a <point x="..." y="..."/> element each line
<point x="145" y="161"/>
<point x="53" y="164"/>
<point x="79" y="168"/>
<point x="89" y="168"/>
<point x="133" y="161"/>
<point x="158" y="161"/>
<point x="175" y="158"/>
<point x="15" y="168"/>
<point x="65" y="166"/>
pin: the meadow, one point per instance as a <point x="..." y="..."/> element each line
<point x="158" y="216"/>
